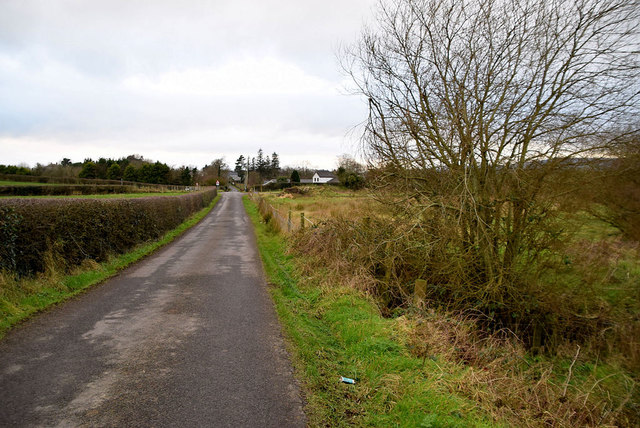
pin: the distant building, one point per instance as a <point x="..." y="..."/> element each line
<point x="324" y="177"/>
<point x="233" y="176"/>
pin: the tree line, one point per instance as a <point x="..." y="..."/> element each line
<point x="136" y="168"/>
<point x="264" y="167"/>
<point x="133" y="168"/>
<point x="261" y="168"/>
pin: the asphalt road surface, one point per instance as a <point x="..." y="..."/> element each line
<point x="188" y="337"/>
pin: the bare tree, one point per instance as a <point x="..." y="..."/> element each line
<point x="473" y="106"/>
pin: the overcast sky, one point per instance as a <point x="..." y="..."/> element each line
<point x="179" y="81"/>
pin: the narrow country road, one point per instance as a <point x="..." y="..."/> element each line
<point x="186" y="338"/>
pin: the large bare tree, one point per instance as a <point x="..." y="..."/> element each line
<point x="474" y="105"/>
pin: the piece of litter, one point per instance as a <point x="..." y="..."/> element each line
<point x="347" y="380"/>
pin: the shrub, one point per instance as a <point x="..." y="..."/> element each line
<point x="9" y="221"/>
<point x="353" y="181"/>
<point x="65" y="190"/>
<point x="619" y="194"/>
<point x="80" y="229"/>
<point x="543" y="310"/>
<point x="276" y="186"/>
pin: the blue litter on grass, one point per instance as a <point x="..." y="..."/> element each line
<point x="347" y="380"/>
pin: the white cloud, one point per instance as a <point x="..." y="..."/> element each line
<point x="176" y="81"/>
<point x="246" y="76"/>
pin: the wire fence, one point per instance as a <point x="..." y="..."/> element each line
<point x="285" y="221"/>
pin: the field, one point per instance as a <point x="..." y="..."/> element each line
<point x="588" y="377"/>
<point x="23" y="183"/>
<point x="319" y="203"/>
<point x="33" y="186"/>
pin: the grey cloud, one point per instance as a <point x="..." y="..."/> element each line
<point x="63" y="65"/>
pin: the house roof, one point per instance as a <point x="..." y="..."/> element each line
<point x="325" y="174"/>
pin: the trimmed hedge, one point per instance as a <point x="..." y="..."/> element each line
<point x="34" y="230"/>
<point x="65" y="189"/>
<point x="71" y="180"/>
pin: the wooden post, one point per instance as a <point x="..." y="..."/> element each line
<point x="302" y="220"/>
<point x="388" y="263"/>
<point x="419" y="292"/>
<point x="536" y="340"/>
<point x="289" y="222"/>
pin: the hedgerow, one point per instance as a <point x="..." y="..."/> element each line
<point x="33" y="231"/>
<point x="65" y="189"/>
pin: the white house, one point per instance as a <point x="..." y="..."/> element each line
<point x="323" y="177"/>
<point x="233" y="176"/>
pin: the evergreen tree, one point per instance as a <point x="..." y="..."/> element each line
<point x="160" y="173"/>
<point x="145" y="173"/>
<point x="267" y="166"/>
<point x="130" y="173"/>
<point x="260" y="163"/>
<point x="101" y="168"/>
<point x="240" y="167"/>
<point x="240" y="164"/>
<point x="185" y="176"/>
<point x="275" y="164"/>
<point x="114" y="172"/>
<point x="295" y="176"/>
<point x="89" y="170"/>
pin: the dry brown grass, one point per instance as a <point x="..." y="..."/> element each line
<point x="577" y="384"/>
<point x="320" y="203"/>
<point x="497" y="372"/>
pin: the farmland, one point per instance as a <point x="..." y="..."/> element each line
<point x="319" y="203"/>
<point x="91" y="188"/>
<point x="23" y="183"/>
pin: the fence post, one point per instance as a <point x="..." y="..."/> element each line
<point x="419" y="292"/>
<point x="289" y="222"/>
<point x="388" y="263"/>
<point x="302" y="220"/>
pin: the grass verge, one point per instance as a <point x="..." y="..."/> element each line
<point x="21" y="298"/>
<point x="337" y="332"/>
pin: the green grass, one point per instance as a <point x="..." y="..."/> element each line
<point x="105" y="196"/>
<point x="24" y="183"/>
<point x="590" y="228"/>
<point x="20" y="299"/>
<point x="339" y="332"/>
